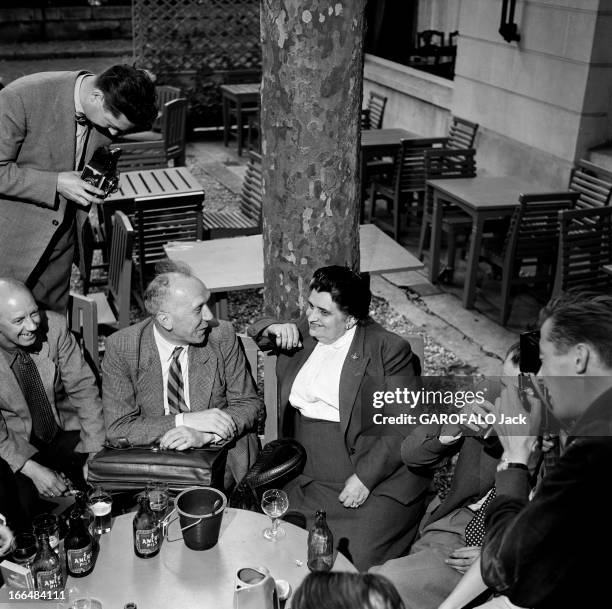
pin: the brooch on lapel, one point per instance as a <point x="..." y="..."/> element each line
<point x="354" y="355"/>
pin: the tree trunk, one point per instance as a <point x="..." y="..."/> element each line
<point x="312" y="54"/>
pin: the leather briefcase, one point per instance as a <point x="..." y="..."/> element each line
<point x="132" y="467"/>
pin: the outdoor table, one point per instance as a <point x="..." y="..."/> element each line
<point x="379" y="143"/>
<point x="190" y="579"/>
<point x="237" y="263"/>
<point x="482" y="198"/>
<point x="238" y="95"/>
<point x="148" y="184"/>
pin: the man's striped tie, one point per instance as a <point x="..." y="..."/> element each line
<point x="176" y="392"/>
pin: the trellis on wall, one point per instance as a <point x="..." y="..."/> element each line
<point x="198" y="45"/>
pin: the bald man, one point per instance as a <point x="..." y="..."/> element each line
<point x="179" y="378"/>
<point x="44" y="381"/>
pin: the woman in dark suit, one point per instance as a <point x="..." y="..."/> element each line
<point x="373" y="501"/>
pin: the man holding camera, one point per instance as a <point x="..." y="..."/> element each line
<point x="542" y="554"/>
<point x="50" y="124"/>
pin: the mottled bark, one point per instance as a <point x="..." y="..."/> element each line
<point x="312" y="55"/>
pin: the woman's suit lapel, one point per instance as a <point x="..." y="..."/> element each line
<point x="351" y="376"/>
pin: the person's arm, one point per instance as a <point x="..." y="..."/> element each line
<point x="469" y="587"/>
<point x="14" y="448"/>
<point x="539" y="541"/>
<point x="6" y="537"/>
<point x="429" y="445"/>
<point x="271" y="334"/>
<point x="82" y="390"/>
<point x="122" y="415"/>
<point x="27" y="184"/>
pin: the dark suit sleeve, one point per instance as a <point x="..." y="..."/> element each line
<point x="80" y="386"/>
<point x="122" y="414"/>
<point x="243" y="404"/>
<point x="24" y="183"/>
<point x="422" y="448"/>
<point x="376" y="458"/>
<point x="531" y="549"/>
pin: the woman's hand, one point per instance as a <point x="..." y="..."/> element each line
<point x="287" y="335"/>
<point x="6" y="539"/>
<point x="354" y="493"/>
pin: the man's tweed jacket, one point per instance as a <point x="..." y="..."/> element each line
<point x="133" y="393"/>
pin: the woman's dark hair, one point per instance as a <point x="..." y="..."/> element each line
<point x="336" y="590"/>
<point x="348" y="289"/>
<point x="129" y="91"/>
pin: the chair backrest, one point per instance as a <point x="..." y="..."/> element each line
<point x="462" y="133"/>
<point x="83" y="322"/>
<point x="158" y="221"/>
<point x="166" y="93"/>
<point x="428" y="38"/>
<point x="409" y="167"/>
<point x="373" y="118"/>
<point x="174" y="120"/>
<point x="252" y="189"/>
<point x="593" y="183"/>
<point x="142" y="155"/>
<point x="533" y="235"/>
<point x="120" y="268"/>
<point x="585" y="246"/>
<point x="452" y="38"/>
<point x="447" y="164"/>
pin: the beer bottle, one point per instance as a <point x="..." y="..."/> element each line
<point x="320" y="544"/>
<point x="79" y="547"/>
<point x="46" y="568"/>
<point x="147" y="533"/>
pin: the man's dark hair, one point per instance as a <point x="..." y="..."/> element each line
<point x="131" y="92"/>
<point x="581" y="317"/>
<point x="338" y="590"/>
<point x="348" y="289"/>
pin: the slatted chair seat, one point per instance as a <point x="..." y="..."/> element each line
<point x="447" y="164"/>
<point x="532" y="241"/>
<point x="406" y="185"/>
<point x="372" y="116"/>
<point x="585" y="247"/>
<point x="159" y="221"/>
<point x="593" y="183"/>
<point x="247" y="220"/>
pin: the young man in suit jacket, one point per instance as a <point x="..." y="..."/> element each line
<point x="179" y="378"/>
<point x="50" y="124"/>
<point x="44" y="382"/>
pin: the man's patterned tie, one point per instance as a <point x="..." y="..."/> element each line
<point x="176" y="392"/>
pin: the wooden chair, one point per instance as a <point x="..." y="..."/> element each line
<point x="446" y="164"/>
<point x="164" y="94"/>
<point x="113" y="305"/>
<point x="532" y="241"/>
<point x="461" y="133"/>
<point x="142" y="155"/>
<point x="372" y="116"/>
<point x="158" y="221"/>
<point x="173" y="123"/>
<point x="83" y="323"/>
<point x="593" y="183"/>
<point x="429" y="38"/>
<point x="247" y="220"/>
<point x="407" y="183"/>
<point x="585" y="246"/>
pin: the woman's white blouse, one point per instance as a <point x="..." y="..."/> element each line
<point x="316" y="388"/>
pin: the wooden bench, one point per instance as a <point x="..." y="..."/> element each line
<point x="247" y="220"/>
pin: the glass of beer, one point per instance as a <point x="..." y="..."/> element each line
<point x="100" y="504"/>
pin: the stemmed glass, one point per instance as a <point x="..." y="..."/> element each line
<point x="274" y="503"/>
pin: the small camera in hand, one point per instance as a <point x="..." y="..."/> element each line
<point x="101" y="171"/>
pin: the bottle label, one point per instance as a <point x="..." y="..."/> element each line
<point x="49" y="581"/>
<point x="318" y="543"/>
<point x="79" y="561"/>
<point x="147" y="540"/>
